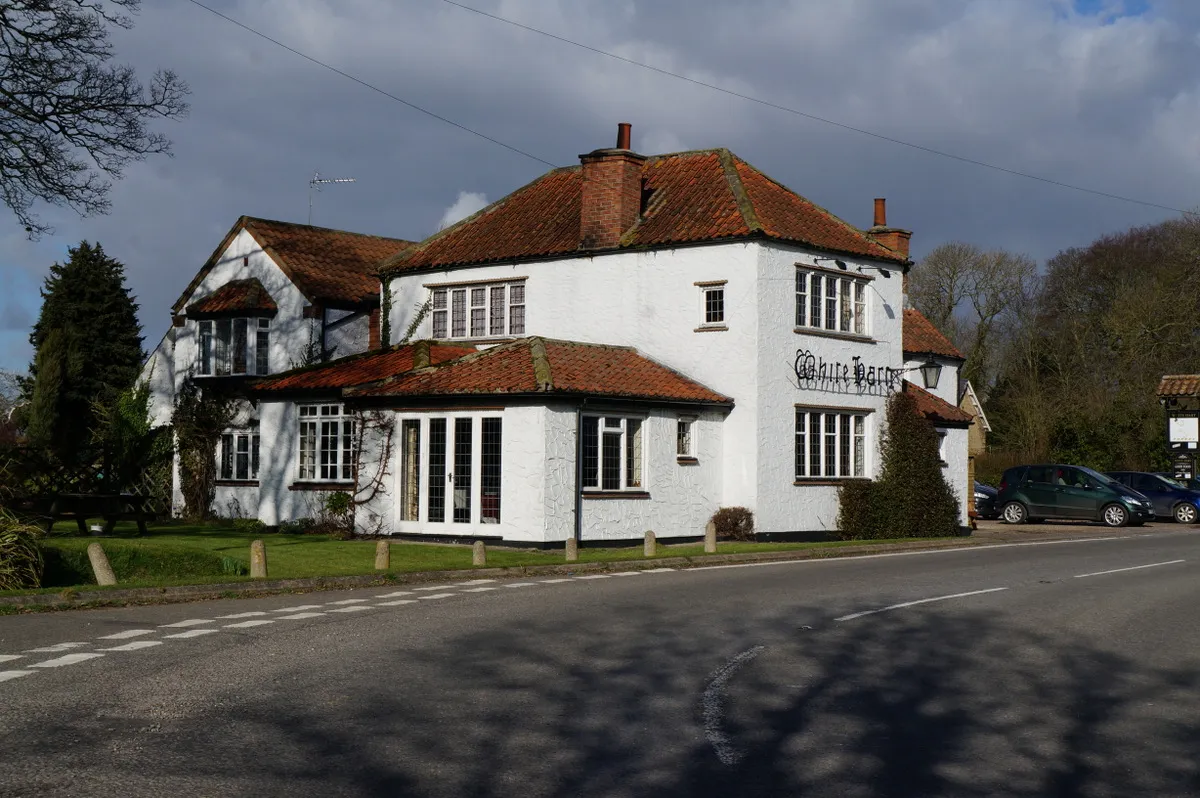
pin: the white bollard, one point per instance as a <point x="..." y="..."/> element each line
<point x="479" y="553"/>
<point x="572" y="549"/>
<point x="258" y="560"/>
<point x="650" y="546"/>
<point x="100" y="566"/>
<point x="383" y="556"/>
<point x="710" y="538"/>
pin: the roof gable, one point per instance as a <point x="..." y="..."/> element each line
<point x="921" y="337"/>
<point x="330" y="267"/>
<point x="704" y="196"/>
<point x="936" y="409"/>
<point x="235" y="296"/>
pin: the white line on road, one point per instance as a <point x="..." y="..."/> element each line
<point x="237" y="615"/>
<point x="712" y="705"/>
<point x="192" y="633"/>
<point x="627" y="573"/>
<point x="436" y="596"/>
<point x="300" y="616"/>
<point x="184" y="624"/>
<point x="347" y="601"/>
<point x="8" y="675"/>
<point x="351" y="608"/>
<point x="553" y="581"/>
<point x="396" y="603"/>
<point x="478" y="581"/>
<point x="128" y="634"/>
<point x="54" y="649"/>
<point x="247" y="624"/>
<point x="69" y="659"/>
<point x="10" y="657"/>
<point x="136" y="645"/>
<point x="593" y="576"/>
<point x="852" y="616"/>
<point x="659" y="571"/>
<point x="480" y="589"/>
<point x="300" y="608"/>
<point x="435" y="587"/>
<point x="518" y="584"/>
<point x="397" y="594"/>
<point x="1132" y="568"/>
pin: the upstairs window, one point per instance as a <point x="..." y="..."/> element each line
<point x="685" y="438"/>
<point x="234" y="346"/>
<point x="831" y="302"/>
<point x="482" y="310"/>
<point x="612" y="453"/>
<point x="328" y="447"/>
<point x="712" y="305"/>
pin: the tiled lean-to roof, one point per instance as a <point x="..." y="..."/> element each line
<point x="526" y="366"/>
<point x="921" y="337"/>
<point x="235" y="296"/>
<point x="1173" y="385"/>
<point x="331" y="267"/>
<point x="692" y="197"/>
<point x="936" y="409"/>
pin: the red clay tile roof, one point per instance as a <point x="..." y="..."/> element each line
<point x="707" y="195"/>
<point x="367" y="367"/>
<point x="936" y="409"/>
<point x="1179" y="385"/>
<point x="331" y="267"/>
<point x="235" y="296"/>
<point x="921" y="337"/>
<point x="543" y="365"/>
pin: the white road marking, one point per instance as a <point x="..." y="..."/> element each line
<point x="396" y="603"/>
<point x="128" y="634"/>
<point x="516" y="584"/>
<point x="300" y="608"/>
<point x="712" y="705"/>
<point x="299" y="616"/>
<point x="184" y="624"/>
<point x="54" y="649"/>
<point x="347" y="601"/>
<point x="136" y="645"/>
<point x="436" y="596"/>
<point x="254" y="614"/>
<point x="593" y="576"/>
<point x="553" y="581"/>
<point x="480" y="589"/>
<point x="478" y="581"/>
<point x="659" y="571"/>
<point x="247" y="624"/>
<point x="435" y="587"/>
<point x="397" y="594"/>
<point x="627" y="573"/>
<point x="69" y="659"/>
<point x="9" y="657"/>
<point x="351" y="608"/>
<point x="192" y="633"/>
<point x="852" y="616"/>
<point x="1132" y="568"/>
<point x="9" y="675"/>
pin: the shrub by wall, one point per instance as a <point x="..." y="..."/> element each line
<point x="734" y="523"/>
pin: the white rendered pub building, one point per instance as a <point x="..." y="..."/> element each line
<point x="625" y="345"/>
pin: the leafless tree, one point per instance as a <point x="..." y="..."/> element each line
<point x="70" y="119"/>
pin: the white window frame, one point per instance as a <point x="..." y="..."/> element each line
<point x="841" y="448"/>
<point x="685" y="438"/>
<point x="229" y="451"/>
<point x="631" y="460"/>
<point x="327" y="445"/>
<point x="823" y="297"/>
<point x="477" y="311"/>
<point x="215" y="356"/>
<point x="707" y="319"/>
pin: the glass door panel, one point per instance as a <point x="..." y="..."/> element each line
<point x="462" y="469"/>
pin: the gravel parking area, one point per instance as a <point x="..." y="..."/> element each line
<point x="1060" y="530"/>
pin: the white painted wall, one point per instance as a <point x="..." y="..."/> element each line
<point x="159" y="372"/>
<point x="349" y="337"/>
<point x="956" y="472"/>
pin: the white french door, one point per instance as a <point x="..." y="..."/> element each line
<point x="448" y="473"/>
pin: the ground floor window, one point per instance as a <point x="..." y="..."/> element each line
<point x="239" y="455"/>
<point x="830" y="443"/>
<point x="327" y="443"/>
<point x="457" y="472"/>
<point x="612" y="453"/>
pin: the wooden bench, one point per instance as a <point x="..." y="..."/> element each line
<point x="111" y="507"/>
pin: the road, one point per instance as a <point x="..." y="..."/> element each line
<point x="1064" y="669"/>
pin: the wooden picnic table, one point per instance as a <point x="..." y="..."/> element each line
<point x="112" y="507"/>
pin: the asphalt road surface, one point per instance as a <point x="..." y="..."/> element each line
<point x="1060" y="669"/>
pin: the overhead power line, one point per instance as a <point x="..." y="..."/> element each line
<point x="373" y="87"/>
<point x="815" y="118"/>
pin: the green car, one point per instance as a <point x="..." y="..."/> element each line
<point x="1034" y="492"/>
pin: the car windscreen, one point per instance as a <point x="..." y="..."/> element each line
<point x="1110" y="483"/>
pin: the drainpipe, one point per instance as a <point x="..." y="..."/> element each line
<point x="579" y="472"/>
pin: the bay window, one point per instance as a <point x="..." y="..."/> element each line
<point x="233" y="347"/>
<point x="831" y="302"/>
<point x="328" y="446"/>
<point x="830" y="444"/>
<point x="482" y="310"/>
<point x="612" y="453"/>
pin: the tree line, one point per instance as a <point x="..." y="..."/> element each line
<point x="1067" y="357"/>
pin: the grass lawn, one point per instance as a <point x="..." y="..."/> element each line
<point x="179" y="554"/>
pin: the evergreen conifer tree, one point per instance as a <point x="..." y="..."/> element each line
<point x="917" y="501"/>
<point x="89" y="322"/>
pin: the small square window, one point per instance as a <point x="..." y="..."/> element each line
<point x="714" y="305"/>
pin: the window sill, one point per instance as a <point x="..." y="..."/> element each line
<point x="500" y="339"/>
<point x="843" y="336"/>
<point x="827" y="481"/>
<point x="321" y="486"/>
<point x="684" y="459"/>
<point x="616" y="494"/>
<point x="712" y="328"/>
<point x="236" y="483"/>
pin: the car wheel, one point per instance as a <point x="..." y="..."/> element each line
<point x="1185" y="513"/>
<point x="1015" y="513"/>
<point x="1115" y="515"/>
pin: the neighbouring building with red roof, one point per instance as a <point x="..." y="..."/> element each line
<point x="624" y="345"/>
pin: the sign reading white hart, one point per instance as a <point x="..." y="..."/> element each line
<point x="1184" y="429"/>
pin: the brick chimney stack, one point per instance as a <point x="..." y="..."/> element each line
<point x="894" y="238"/>
<point x="612" y="193"/>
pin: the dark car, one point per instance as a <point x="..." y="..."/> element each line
<point x="1033" y="492"/>
<point x="985" y="501"/>
<point x="1170" y="498"/>
<point x="1190" y="484"/>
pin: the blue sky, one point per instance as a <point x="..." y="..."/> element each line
<point x="1106" y="96"/>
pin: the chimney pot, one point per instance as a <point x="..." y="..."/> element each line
<point x="623" y="135"/>
<point x="880" y="212"/>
